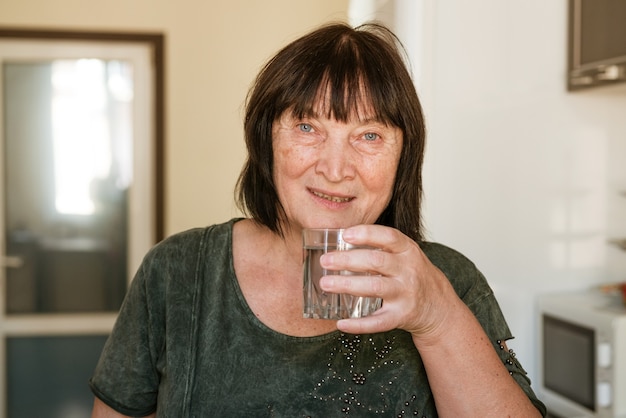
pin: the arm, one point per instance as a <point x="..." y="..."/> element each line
<point x="102" y="410"/>
<point x="465" y="373"/>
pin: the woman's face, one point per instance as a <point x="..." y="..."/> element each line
<point x="333" y="174"/>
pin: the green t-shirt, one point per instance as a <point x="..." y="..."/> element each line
<point x="186" y="344"/>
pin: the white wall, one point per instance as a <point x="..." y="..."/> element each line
<point x="521" y="176"/>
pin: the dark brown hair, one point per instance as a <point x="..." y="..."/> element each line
<point x="351" y="67"/>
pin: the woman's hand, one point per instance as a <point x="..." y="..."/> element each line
<point x="416" y="294"/>
<point x="465" y="374"/>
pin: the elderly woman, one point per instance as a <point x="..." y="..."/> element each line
<point x="213" y="322"/>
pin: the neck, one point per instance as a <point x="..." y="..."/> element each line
<point x="290" y="243"/>
<point x="275" y="246"/>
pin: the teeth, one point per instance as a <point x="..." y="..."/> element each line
<point x="332" y="198"/>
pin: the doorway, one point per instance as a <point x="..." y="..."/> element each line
<point x="81" y="133"/>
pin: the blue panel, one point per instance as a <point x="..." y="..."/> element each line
<point x="48" y="376"/>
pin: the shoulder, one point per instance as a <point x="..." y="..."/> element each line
<point x="179" y="254"/>
<point x="471" y="286"/>
<point x="176" y="266"/>
<point x="185" y="242"/>
<point x="463" y="274"/>
<point x="446" y="258"/>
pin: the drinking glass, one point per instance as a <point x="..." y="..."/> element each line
<point x="322" y="305"/>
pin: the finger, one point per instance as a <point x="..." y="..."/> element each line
<point x="357" y="285"/>
<point x="379" y="236"/>
<point x="357" y="260"/>
<point x="380" y="321"/>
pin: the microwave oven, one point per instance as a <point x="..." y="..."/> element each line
<point x="582" y="357"/>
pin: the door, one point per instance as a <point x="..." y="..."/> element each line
<point x="78" y="210"/>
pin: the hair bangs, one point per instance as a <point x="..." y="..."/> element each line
<point x="341" y="85"/>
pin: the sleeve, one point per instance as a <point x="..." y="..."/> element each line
<point x="126" y="376"/>
<point x="473" y="288"/>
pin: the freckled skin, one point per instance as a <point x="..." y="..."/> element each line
<point x="334" y="174"/>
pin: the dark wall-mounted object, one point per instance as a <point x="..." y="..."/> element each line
<point x="597" y="43"/>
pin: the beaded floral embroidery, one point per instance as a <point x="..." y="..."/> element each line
<point x="510" y="360"/>
<point x="365" y="389"/>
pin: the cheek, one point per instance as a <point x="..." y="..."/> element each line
<point x="381" y="178"/>
<point x="289" y="162"/>
<point x="281" y="153"/>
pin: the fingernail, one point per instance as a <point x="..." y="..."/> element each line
<point x="325" y="259"/>
<point x="348" y="234"/>
<point x="326" y="282"/>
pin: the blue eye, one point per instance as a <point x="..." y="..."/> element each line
<point x="371" y="136"/>
<point x="305" y="127"/>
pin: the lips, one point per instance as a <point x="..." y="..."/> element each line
<point x="335" y="199"/>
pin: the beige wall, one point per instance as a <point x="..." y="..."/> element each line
<point x="214" y="50"/>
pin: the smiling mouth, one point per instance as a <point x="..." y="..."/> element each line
<point x="335" y="199"/>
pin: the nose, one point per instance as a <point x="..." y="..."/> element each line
<point x="336" y="159"/>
